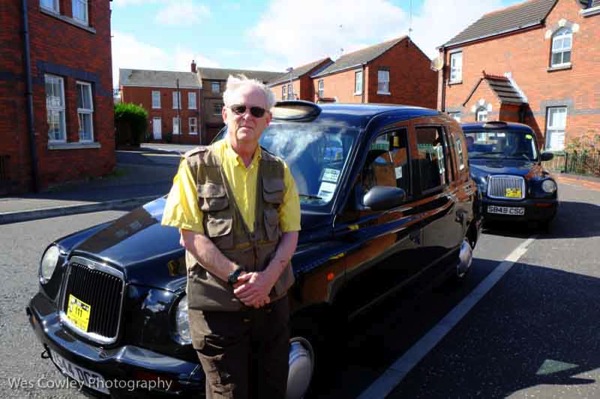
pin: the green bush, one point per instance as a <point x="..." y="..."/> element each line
<point x="131" y="121"/>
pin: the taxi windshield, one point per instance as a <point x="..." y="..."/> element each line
<point x="504" y="144"/>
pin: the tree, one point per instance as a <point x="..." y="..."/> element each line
<point x="131" y="121"/>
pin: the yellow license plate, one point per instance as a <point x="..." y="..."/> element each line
<point x="79" y="312"/>
<point x="513" y="193"/>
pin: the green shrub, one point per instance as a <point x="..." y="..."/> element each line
<point x="131" y="121"/>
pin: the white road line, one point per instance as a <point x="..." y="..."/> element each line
<point x="401" y="367"/>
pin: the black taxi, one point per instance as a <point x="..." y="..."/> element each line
<point x="386" y="198"/>
<point x="506" y="163"/>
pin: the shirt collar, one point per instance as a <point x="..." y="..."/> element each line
<point x="229" y="152"/>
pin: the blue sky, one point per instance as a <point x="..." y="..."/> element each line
<point x="276" y="34"/>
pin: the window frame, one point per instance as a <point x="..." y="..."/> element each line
<point x="358" y="82"/>
<point x="217" y="85"/>
<point x="290" y="89"/>
<point x="217" y="109"/>
<point x="176" y="122"/>
<point x="552" y="130"/>
<point x="61" y="108"/>
<point x="386" y="82"/>
<point x="481" y="111"/>
<point x="456" y="71"/>
<point x="192" y="104"/>
<point x="177" y="99"/>
<point x="55" y="8"/>
<point x="86" y="111"/>
<point x="86" y="9"/>
<point x="320" y="88"/>
<point x="193" y="132"/>
<point x="156" y="104"/>
<point x="561" y="35"/>
<point x="445" y="169"/>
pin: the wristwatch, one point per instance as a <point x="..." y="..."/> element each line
<point x="233" y="276"/>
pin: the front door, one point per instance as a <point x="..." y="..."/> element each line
<point x="156" y="128"/>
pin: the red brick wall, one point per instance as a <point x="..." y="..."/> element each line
<point x="143" y="96"/>
<point x="339" y="86"/>
<point x="61" y="47"/>
<point x="526" y="56"/>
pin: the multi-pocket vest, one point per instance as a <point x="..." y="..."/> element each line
<point x="225" y="227"/>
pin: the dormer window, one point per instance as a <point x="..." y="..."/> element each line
<point x="562" y="42"/>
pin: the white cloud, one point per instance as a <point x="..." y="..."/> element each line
<point x="292" y="33"/>
<point x="130" y="53"/>
<point x="182" y="13"/>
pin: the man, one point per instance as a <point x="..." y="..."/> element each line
<point x="238" y="211"/>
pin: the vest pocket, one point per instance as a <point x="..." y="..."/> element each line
<point x="273" y="190"/>
<point x="220" y="230"/>
<point x="212" y="197"/>
<point x="272" y="224"/>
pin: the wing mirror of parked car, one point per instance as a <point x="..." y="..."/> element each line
<point x="380" y="198"/>
<point x="546" y="156"/>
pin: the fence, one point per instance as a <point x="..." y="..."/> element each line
<point x="572" y="162"/>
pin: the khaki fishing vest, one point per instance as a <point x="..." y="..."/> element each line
<point x="225" y="227"/>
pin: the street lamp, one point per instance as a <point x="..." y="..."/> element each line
<point x="291" y="86"/>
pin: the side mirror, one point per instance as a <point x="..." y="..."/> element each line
<point x="380" y="198"/>
<point x="546" y="156"/>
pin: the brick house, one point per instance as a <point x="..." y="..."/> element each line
<point x="535" y="62"/>
<point x="297" y="84"/>
<point x="55" y="93"/>
<point x="173" y="102"/>
<point x="396" y="71"/>
<point x="213" y="84"/>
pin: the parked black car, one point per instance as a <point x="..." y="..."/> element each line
<point x="386" y="199"/>
<point x="506" y="163"/>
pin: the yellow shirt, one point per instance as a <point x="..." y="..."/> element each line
<point x="182" y="210"/>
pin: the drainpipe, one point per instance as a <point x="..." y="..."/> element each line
<point x="362" y="96"/>
<point x="443" y="72"/>
<point x="29" y="96"/>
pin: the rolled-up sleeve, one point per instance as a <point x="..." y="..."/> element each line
<point x="289" y="211"/>
<point x="181" y="209"/>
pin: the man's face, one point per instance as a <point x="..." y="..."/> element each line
<point x="244" y="127"/>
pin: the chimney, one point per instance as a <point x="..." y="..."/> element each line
<point x="193" y="66"/>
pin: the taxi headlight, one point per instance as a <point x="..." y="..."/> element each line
<point x="549" y="186"/>
<point x="48" y="263"/>
<point x="182" y="325"/>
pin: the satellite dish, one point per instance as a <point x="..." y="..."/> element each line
<point x="438" y="63"/>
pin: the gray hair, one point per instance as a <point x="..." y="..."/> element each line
<point x="235" y="83"/>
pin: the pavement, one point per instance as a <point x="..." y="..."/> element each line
<point x="141" y="176"/>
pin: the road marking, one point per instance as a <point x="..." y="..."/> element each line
<point x="401" y="367"/>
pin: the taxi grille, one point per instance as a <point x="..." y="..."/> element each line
<point x="101" y="288"/>
<point x="506" y="187"/>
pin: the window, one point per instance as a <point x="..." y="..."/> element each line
<point x="283" y="92"/>
<point x="176" y="125"/>
<point x="387" y="162"/>
<point x="156" y="99"/>
<point x="193" y="122"/>
<point x="455" y="115"/>
<point x="321" y="88"/>
<point x="85" y="111"/>
<point x="383" y="81"/>
<point x="217" y="108"/>
<point x="460" y="155"/>
<point x="358" y="82"/>
<point x="215" y="87"/>
<point x="481" y="115"/>
<point x="80" y="11"/>
<point x="55" y="108"/>
<point x="456" y="67"/>
<point x="176" y="100"/>
<point x="431" y="160"/>
<point x="561" y="47"/>
<point x="191" y="100"/>
<point x="556" y="124"/>
<point x="290" y="92"/>
<point x="50" y="5"/>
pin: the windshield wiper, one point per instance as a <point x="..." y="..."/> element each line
<point x="310" y="196"/>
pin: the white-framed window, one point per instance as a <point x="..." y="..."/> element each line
<point x="481" y="115"/>
<point x="192" y="100"/>
<point x="358" y="82"/>
<point x="50" y="5"/>
<point x="383" y="81"/>
<point x="81" y="11"/>
<point x="290" y="91"/>
<point x="85" y="111"/>
<point x="217" y="108"/>
<point x="176" y="100"/>
<point x="556" y="124"/>
<point x="284" y="92"/>
<point x="155" y="99"/>
<point x="456" y="67"/>
<point x="193" y="123"/>
<point x="55" y="108"/>
<point x="562" y="42"/>
<point x="320" y="88"/>
<point x="176" y="125"/>
<point x="215" y="87"/>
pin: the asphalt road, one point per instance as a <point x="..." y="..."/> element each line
<point x="534" y="334"/>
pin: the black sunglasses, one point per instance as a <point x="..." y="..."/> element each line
<point x="240" y="109"/>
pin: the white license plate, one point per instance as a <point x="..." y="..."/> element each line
<point x="82" y="375"/>
<point x="506" y="210"/>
